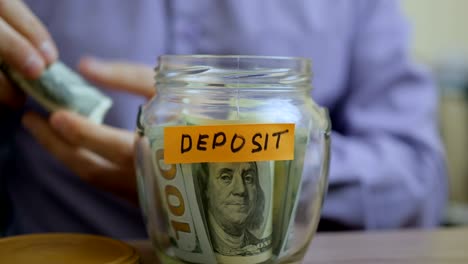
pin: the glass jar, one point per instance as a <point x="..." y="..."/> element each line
<point x="232" y="159"/>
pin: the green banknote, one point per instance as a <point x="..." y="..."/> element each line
<point x="237" y="199"/>
<point x="59" y="87"/>
<point x="175" y="185"/>
<point x="288" y="183"/>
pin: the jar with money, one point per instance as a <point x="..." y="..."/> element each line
<point x="232" y="159"/>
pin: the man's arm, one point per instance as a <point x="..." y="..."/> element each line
<point x="387" y="164"/>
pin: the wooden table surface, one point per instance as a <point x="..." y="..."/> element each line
<point x="444" y="246"/>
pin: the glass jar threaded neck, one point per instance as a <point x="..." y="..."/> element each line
<point x="232" y="71"/>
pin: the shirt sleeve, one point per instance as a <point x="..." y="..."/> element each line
<point x="387" y="165"/>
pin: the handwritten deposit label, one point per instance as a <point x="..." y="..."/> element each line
<point x="228" y="143"/>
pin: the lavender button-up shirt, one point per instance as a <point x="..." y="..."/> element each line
<point x="387" y="166"/>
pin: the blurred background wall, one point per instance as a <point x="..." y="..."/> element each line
<point x="440" y="40"/>
<point x="439" y="27"/>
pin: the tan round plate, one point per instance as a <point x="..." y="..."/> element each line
<point x="65" y="248"/>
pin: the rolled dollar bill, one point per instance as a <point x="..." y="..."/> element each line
<point x="59" y="87"/>
<point x="288" y="182"/>
<point x="176" y="187"/>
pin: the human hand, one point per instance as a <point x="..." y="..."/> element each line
<point x="99" y="154"/>
<point x="25" y="45"/>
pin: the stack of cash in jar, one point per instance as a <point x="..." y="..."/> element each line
<point x="224" y="222"/>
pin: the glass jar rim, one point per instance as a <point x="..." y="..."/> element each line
<point x="237" y="71"/>
<point x="232" y="56"/>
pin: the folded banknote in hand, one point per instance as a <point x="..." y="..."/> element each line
<point x="59" y="87"/>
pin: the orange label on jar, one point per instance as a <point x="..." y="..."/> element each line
<point x="228" y="143"/>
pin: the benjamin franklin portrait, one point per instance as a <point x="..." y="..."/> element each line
<point x="234" y="203"/>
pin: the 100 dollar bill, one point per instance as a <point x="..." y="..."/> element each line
<point x="61" y="88"/>
<point x="186" y="227"/>
<point x="237" y="199"/>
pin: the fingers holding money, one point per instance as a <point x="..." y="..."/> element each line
<point x="132" y="78"/>
<point x="26" y="44"/>
<point x="65" y="136"/>
<point x="18" y="52"/>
